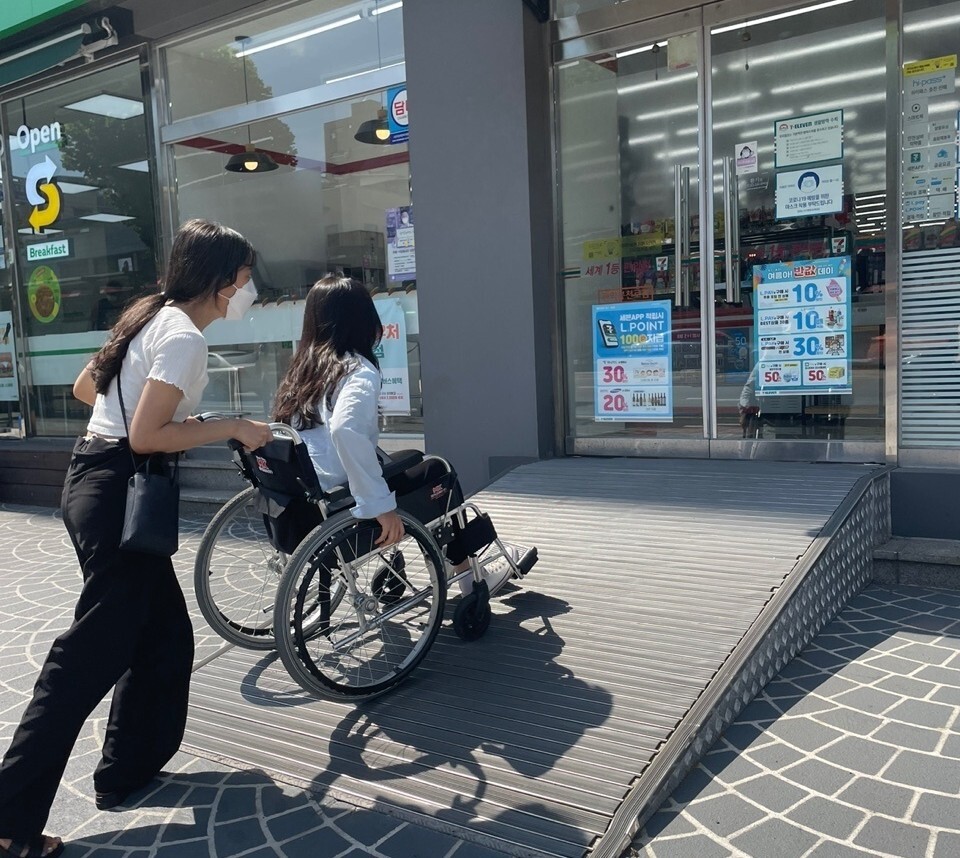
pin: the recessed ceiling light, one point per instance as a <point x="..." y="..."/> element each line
<point x="111" y="106"/>
<point x="27" y="231"/>
<point x="75" y="187"/>
<point x="107" y="218"/>
<point x="777" y="17"/>
<point x="139" y="166"/>
<point x="304" y="34"/>
<point x="382" y="10"/>
<point x="361" y="73"/>
<point x="631" y="51"/>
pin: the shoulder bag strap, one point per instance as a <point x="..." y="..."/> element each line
<point x="123" y="411"/>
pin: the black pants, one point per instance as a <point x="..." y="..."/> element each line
<point x="130" y="630"/>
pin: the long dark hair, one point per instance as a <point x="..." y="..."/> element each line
<point x="205" y="258"/>
<point x="338" y="320"/>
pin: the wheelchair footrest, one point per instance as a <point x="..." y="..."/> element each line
<point x="527" y="562"/>
<point x="477" y="534"/>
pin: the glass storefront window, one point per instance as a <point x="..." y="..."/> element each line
<point x="797" y="187"/>
<point x="84" y="227"/>
<point x="799" y="102"/>
<point x="301" y="46"/>
<point x="334" y="204"/>
<point x="624" y="191"/>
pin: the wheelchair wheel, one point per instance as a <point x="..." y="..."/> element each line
<point x="391" y="580"/>
<point x="471" y="619"/>
<point x="236" y="574"/>
<point x="363" y="644"/>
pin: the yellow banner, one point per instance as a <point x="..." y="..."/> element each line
<point x="927" y="66"/>
<point x="643" y="241"/>
<point x="601" y="248"/>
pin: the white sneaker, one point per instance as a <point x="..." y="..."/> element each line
<point x="499" y="570"/>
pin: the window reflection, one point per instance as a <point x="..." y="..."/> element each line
<point x="303" y="46"/>
<point x="334" y="204"/>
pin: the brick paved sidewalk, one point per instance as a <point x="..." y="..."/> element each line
<point x="198" y="809"/>
<point x="853" y="750"/>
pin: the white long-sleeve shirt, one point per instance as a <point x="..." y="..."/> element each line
<point x="343" y="447"/>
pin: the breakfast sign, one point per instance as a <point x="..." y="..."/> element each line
<point x="802" y="324"/>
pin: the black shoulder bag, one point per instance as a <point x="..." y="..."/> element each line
<point x="151" y="522"/>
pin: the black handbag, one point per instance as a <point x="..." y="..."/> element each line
<point x="151" y="521"/>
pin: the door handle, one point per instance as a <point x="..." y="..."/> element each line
<point x="731" y="229"/>
<point x="681" y="242"/>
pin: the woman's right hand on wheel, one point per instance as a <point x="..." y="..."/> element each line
<point x="251" y="433"/>
<point x="391" y="528"/>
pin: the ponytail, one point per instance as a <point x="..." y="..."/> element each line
<point x="106" y="363"/>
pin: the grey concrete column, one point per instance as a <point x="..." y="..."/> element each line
<point x="480" y="165"/>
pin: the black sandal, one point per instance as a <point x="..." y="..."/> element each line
<point x="33" y="848"/>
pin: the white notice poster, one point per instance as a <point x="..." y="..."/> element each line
<point x="808" y="139"/>
<point x="809" y="192"/>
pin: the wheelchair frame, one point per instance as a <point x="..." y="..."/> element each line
<point x="375" y="607"/>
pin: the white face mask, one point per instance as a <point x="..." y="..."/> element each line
<point x="241" y="301"/>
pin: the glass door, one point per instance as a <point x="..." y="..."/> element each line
<point x="799" y="191"/>
<point x="81" y="218"/>
<point x="629" y="130"/>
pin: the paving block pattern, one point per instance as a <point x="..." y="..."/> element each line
<point x="852" y="750"/>
<point x="197" y="807"/>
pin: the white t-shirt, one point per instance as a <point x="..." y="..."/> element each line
<point x="169" y="348"/>
<point x="343" y="448"/>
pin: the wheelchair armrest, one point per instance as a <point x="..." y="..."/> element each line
<point x="336" y="494"/>
<point x="407" y="459"/>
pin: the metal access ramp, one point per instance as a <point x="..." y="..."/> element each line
<point x="667" y="593"/>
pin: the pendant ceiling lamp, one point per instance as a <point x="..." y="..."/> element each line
<point x="375" y="131"/>
<point x="250" y="160"/>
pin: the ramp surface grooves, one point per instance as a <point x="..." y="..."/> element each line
<point x="651" y="571"/>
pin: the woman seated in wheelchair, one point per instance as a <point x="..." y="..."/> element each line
<point x="330" y="395"/>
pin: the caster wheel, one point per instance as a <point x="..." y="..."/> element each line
<point x="471" y="617"/>
<point x="389" y="582"/>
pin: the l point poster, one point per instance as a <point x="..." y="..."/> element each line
<point x="802" y="319"/>
<point x="633" y="362"/>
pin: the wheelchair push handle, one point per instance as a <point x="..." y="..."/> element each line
<point x="279" y="430"/>
<point x="282" y="430"/>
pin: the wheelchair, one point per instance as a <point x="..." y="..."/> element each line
<point x="285" y="565"/>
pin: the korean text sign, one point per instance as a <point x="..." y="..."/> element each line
<point x="401" y="244"/>
<point x="392" y="356"/>
<point x="632" y="361"/>
<point x="802" y="320"/>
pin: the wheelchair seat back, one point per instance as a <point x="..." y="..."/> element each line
<point x="284" y="476"/>
<point x="280" y="467"/>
